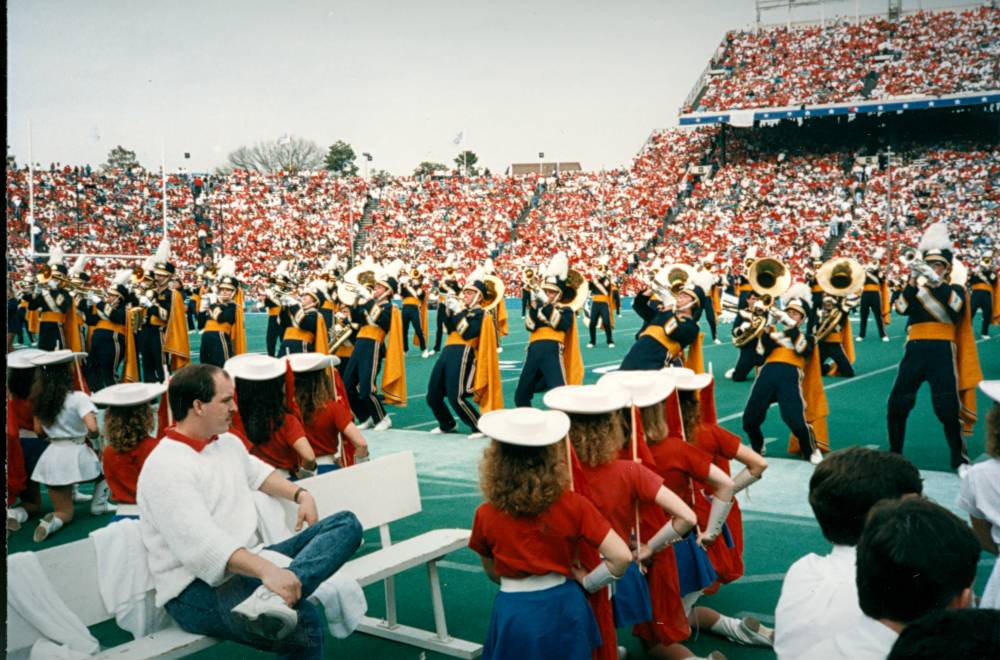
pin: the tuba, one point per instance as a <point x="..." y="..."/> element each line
<point x="838" y="277"/>
<point x="494" y="293"/>
<point x="358" y="278"/>
<point x="769" y="278"/>
<point x="579" y="290"/>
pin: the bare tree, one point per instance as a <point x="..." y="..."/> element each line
<point x="291" y="154"/>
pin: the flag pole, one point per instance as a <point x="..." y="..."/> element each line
<point x="163" y="182"/>
<point x="31" y="197"/>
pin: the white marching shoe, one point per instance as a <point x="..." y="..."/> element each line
<point x="590" y="345"/>
<point x="101" y="503"/>
<point x="437" y="431"/>
<point x="859" y="339"/>
<point x="716" y="341"/>
<point x="963" y="471"/>
<point x="611" y="345"/>
<point x="886" y="338"/>
<point x="499" y="349"/>
<point x="47" y="526"/>
<point x="365" y="425"/>
<point x="384" y="425"/>
<point x="426" y="354"/>
<point x="268" y="613"/>
<point x="729" y="373"/>
<point x="475" y="435"/>
<point x="816" y="457"/>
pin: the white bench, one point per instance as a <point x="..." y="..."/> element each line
<point x="379" y="492"/>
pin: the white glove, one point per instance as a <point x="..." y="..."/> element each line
<point x="364" y="294"/>
<point x="212" y="299"/>
<point x="145" y="301"/>
<point x="538" y="295"/>
<point x="94" y="299"/>
<point x="203" y="305"/>
<point x="288" y="301"/>
<point x="454" y="305"/>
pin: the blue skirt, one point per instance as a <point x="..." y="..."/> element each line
<point x="117" y="517"/>
<point x="323" y="469"/>
<point x="694" y="568"/>
<point x="630" y="601"/>
<point x="541" y="625"/>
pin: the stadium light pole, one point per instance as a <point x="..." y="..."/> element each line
<point x="31" y="196"/>
<point x="888" y="213"/>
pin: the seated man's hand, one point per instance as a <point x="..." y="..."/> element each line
<point x="284" y="583"/>
<point x="307" y="510"/>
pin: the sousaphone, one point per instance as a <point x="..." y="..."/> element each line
<point x="361" y="276"/>
<point x="839" y="277"/>
<point x="494" y="292"/>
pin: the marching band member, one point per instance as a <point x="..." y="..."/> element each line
<point x="329" y="277"/>
<point x="618" y="488"/>
<point x="741" y="287"/>
<point x="112" y="340"/>
<point x="223" y="334"/>
<point x="448" y="285"/>
<point x="940" y="348"/>
<point x="468" y="365"/>
<point x="128" y="422"/>
<point x="51" y="301"/>
<point x="712" y="301"/>
<point x="277" y="283"/>
<point x="326" y="414"/>
<point x="411" y="289"/>
<point x="553" y="356"/>
<point x="527" y="284"/>
<point x="743" y="328"/>
<point x="527" y="534"/>
<point x="264" y="418"/>
<point x="787" y="354"/>
<point x="69" y="419"/>
<point x="985" y="294"/>
<point x="304" y="329"/>
<point x="380" y="320"/>
<point x="873" y="298"/>
<point x="815" y="289"/>
<point x="837" y="345"/>
<point x="164" y="331"/>
<point x="670" y="322"/>
<point x="600" y="308"/>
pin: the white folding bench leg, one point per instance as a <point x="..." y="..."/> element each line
<point x="391" y="622"/>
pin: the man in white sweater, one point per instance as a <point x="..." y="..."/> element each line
<point x="199" y="526"/>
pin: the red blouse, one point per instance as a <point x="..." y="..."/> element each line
<point x="121" y="469"/>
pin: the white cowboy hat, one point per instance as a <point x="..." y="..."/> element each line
<point x="526" y="427"/>
<point x="61" y="356"/>
<point x="302" y="362"/>
<point x="991" y="388"/>
<point x="254" y="366"/>
<point x="21" y="358"/>
<point x="645" y="387"/>
<point x="587" y="399"/>
<point x="692" y="382"/>
<point x="128" y="394"/>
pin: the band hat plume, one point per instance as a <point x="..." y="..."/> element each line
<point x="128" y="394"/>
<point x="645" y="388"/>
<point x="587" y="399"/>
<point x="798" y="297"/>
<point x="305" y="362"/>
<point x="525" y="427"/>
<point x="254" y="366"/>
<point x="22" y="358"/>
<point x="62" y="356"/>
<point x="936" y="245"/>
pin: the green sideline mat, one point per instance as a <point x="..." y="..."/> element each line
<point x="779" y="526"/>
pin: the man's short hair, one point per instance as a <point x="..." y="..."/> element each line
<point x="914" y="557"/>
<point x="849" y="482"/>
<point x="195" y="382"/>
<point x="944" y="634"/>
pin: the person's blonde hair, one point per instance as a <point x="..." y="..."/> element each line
<point x="992" y="439"/>
<point x="654" y="423"/>
<point x="597" y="439"/>
<point x="523" y="481"/>
<point x="126" y="426"/>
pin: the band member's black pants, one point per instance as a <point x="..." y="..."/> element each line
<point x="871" y="301"/>
<point x="451" y="380"/>
<point x="781" y="382"/>
<point x="834" y="351"/>
<point x="289" y="346"/>
<point x="149" y="343"/>
<point x="361" y="381"/>
<point x="982" y="301"/>
<point x="440" y="328"/>
<point x="216" y="347"/>
<point x="107" y="350"/>
<point x="749" y="358"/>
<point x="411" y="316"/>
<point x="273" y="333"/>
<point x="710" y="317"/>
<point x="50" y="336"/>
<point x="931" y="360"/>
<point x="600" y="311"/>
<point x="525" y="302"/>
<point x="543" y="370"/>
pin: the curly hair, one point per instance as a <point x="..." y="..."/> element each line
<point x="19" y="382"/>
<point x="992" y="439"/>
<point x="690" y="413"/>
<point x="262" y="407"/>
<point x="523" y="481"/>
<point x="313" y="390"/>
<point x="51" y="386"/>
<point x="126" y="426"/>
<point x="654" y="423"/>
<point x="596" y="438"/>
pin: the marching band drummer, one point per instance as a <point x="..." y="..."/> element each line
<point x="326" y="414"/>
<point x="219" y="316"/>
<point x="264" y="418"/>
<point x="128" y="422"/>
<point x="669" y="329"/>
<point x="527" y="534"/>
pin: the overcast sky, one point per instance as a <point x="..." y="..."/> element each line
<point x="581" y="80"/>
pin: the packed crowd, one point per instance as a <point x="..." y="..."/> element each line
<point x="925" y="53"/>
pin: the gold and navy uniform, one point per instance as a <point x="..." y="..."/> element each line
<point x="107" y="343"/>
<point x="298" y="329"/>
<point x="871" y="302"/>
<point x="360" y="377"/>
<point x="600" y="307"/>
<point x="780" y="379"/>
<point x="543" y="363"/>
<point x="413" y="295"/>
<point x="445" y="288"/>
<point x="742" y="290"/>
<point x="932" y="315"/>
<point x="831" y="348"/>
<point x="982" y="284"/>
<point x="662" y="339"/>
<point x="817" y="302"/>
<point x="749" y="355"/>
<point x="52" y="305"/>
<point x="273" y="308"/>
<point x="217" y="333"/>
<point x="452" y="376"/>
<point x="150" y="338"/>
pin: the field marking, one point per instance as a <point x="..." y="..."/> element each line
<point x="762" y="577"/>
<point x="454" y="496"/>
<point x="460" y="566"/>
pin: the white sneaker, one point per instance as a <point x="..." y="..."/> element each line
<point x="367" y="424"/>
<point x="611" y="345"/>
<point x="426" y="354"/>
<point x="984" y="336"/>
<point x="384" y="425"/>
<point x="859" y="339"/>
<point x="47" y="526"/>
<point x="271" y="617"/>
<point x="476" y="435"/>
<point x="886" y="338"/>
<point x="437" y="431"/>
<point x="729" y="373"/>
<point x="499" y="349"/>
<point x="80" y="497"/>
<point x="716" y="341"/>
<point x="816" y="458"/>
<point x="100" y="504"/>
<point x="963" y="471"/>
<point x="15" y="518"/>
<point x="590" y="345"/>
<point x="432" y="351"/>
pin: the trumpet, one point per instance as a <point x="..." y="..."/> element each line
<point x="910" y="258"/>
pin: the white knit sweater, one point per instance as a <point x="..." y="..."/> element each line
<point x="196" y="510"/>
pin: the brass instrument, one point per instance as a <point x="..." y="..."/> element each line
<point x="769" y="278"/>
<point x="137" y="315"/>
<point x="670" y="281"/>
<point x="340" y="333"/>
<point x="910" y="258"/>
<point x="839" y="278"/>
<point x="580" y="290"/>
<point x="986" y="261"/>
<point x="494" y="293"/>
<point x="361" y="276"/>
<point x="44" y="274"/>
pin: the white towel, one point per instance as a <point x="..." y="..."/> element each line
<point x="32" y="597"/>
<point x="43" y="649"/>
<point x="125" y="581"/>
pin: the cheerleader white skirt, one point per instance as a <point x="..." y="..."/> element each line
<point x="65" y="462"/>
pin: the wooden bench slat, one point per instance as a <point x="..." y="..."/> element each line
<point x="404" y="555"/>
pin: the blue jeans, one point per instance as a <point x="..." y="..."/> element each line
<point x="317" y="553"/>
